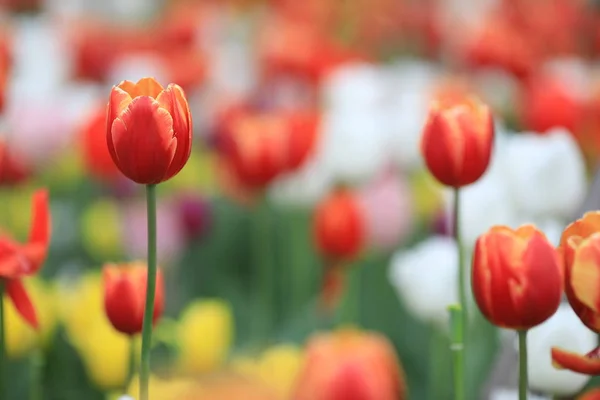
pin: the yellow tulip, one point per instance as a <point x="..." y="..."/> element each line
<point x="204" y="335"/>
<point x="101" y="230"/>
<point x="21" y="338"/>
<point x="103" y="350"/>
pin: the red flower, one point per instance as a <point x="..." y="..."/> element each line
<point x="96" y="156"/>
<point x="457" y="140"/>
<point x="149" y="130"/>
<point x="350" y="365"/>
<point x="12" y="169"/>
<point x="125" y="295"/>
<point x="19" y="260"/>
<point x="339" y="226"/>
<point x="517" y="277"/>
<point x="303" y="134"/>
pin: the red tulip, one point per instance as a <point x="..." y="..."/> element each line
<point x="580" y="246"/>
<point x="457" y="141"/>
<point x="12" y="169"/>
<point x="20" y="260"/>
<point x="593" y="394"/>
<point x="339" y="225"/>
<point x="125" y="295"/>
<point x="517" y="277"/>
<point x="303" y="134"/>
<point x="149" y="130"/>
<point x="96" y="156"/>
<point x="350" y="365"/>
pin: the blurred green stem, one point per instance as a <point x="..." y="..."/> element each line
<point x="131" y="366"/>
<point x="437" y="352"/>
<point x="150" y="291"/>
<point x="351" y="310"/>
<point x="264" y="273"/>
<point x="462" y="290"/>
<point x="523" y="365"/>
<point x="37" y="376"/>
<point x="458" y="351"/>
<point x="298" y="281"/>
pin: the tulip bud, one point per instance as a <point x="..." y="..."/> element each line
<point x="457" y="141"/>
<point x="149" y="130"/>
<point x="125" y="294"/>
<point x="339" y="225"/>
<point x="521" y="266"/>
<point x="350" y="364"/>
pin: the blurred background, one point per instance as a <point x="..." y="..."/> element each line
<point x="305" y="205"/>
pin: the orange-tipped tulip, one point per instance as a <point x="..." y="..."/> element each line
<point x="457" y="140"/>
<point x="517" y="278"/>
<point x="580" y="245"/>
<point x="593" y="394"/>
<point x="349" y="364"/>
<point x="149" y="130"/>
<point x="19" y="260"/>
<point x="125" y="294"/>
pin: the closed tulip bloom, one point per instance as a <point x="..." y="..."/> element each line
<point x="125" y="293"/>
<point x="339" y="225"/>
<point x="516" y="277"/>
<point x="457" y="140"/>
<point x="149" y="130"/>
<point x="350" y="364"/>
<point x="580" y="245"/>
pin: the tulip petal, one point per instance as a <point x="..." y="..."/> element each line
<point x="118" y="102"/>
<point x="122" y="300"/>
<point x="173" y="99"/>
<point x="584" y="227"/>
<point x="585" y="272"/>
<point x="143" y="141"/>
<point x="584" y="364"/>
<point x="12" y="261"/>
<point x="36" y="249"/>
<point x="23" y="304"/>
<point x="148" y="87"/>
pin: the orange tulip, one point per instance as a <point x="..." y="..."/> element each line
<point x="149" y="130"/>
<point x="516" y="277"/>
<point x="457" y="140"/>
<point x="125" y="294"/>
<point x="580" y="246"/>
<point x="339" y="226"/>
<point x="20" y="260"/>
<point x="348" y="365"/>
<point x="593" y="394"/>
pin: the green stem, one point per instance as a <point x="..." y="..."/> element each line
<point x="522" y="365"/>
<point x="37" y="368"/>
<point x="438" y="347"/>
<point x="462" y="290"/>
<point x="458" y="351"/>
<point x="150" y="291"/>
<point x="131" y="366"/>
<point x="351" y="310"/>
<point x="264" y="273"/>
<point x="298" y="271"/>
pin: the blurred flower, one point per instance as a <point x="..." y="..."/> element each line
<point x="230" y="387"/>
<point x="167" y="389"/>
<point x="101" y="230"/>
<point x="388" y="210"/>
<point x="170" y="239"/>
<point x="512" y="394"/>
<point x="12" y="168"/>
<point x="195" y="215"/>
<point x="339" y="226"/>
<point x="21" y="338"/>
<point x="277" y="368"/>
<point x="546" y="174"/>
<point x="20" y="260"/>
<point x="96" y="157"/>
<point x="592" y="394"/>
<point x="125" y="295"/>
<point x="427" y="195"/>
<point x="565" y="330"/>
<point x="457" y="140"/>
<point x="145" y="119"/>
<point x="204" y="335"/>
<point x="521" y="265"/>
<point x="350" y="364"/>
<point x="103" y="350"/>
<point x="423" y="278"/>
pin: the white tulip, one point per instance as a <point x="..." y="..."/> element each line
<point x="513" y="394"/>
<point x="546" y="173"/>
<point x="425" y="278"/>
<point x="564" y="330"/>
<point x="354" y="87"/>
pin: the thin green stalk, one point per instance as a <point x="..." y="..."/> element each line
<point x="131" y="366"/>
<point x="458" y="351"/>
<point x="522" y="365"/>
<point x="351" y="309"/>
<point x="438" y="348"/>
<point x="37" y="368"/>
<point x="462" y="290"/>
<point x="298" y="273"/>
<point x="150" y="291"/>
<point x="264" y="274"/>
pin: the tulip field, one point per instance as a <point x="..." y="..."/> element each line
<point x="299" y="200"/>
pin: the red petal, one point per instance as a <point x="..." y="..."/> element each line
<point x="117" y="103"/>
<point x="122" y="300"/>
<point x="17" y="293"/>
<point x="143" y="141"/>
<point x="13" y="262"/>
<point x="39" y="236"/>
<point x="588" y="364"/>
<point x="173" y="99"/>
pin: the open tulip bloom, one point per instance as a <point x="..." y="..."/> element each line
<point x="149" y="137"/>
<point x="580" y="246"/>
